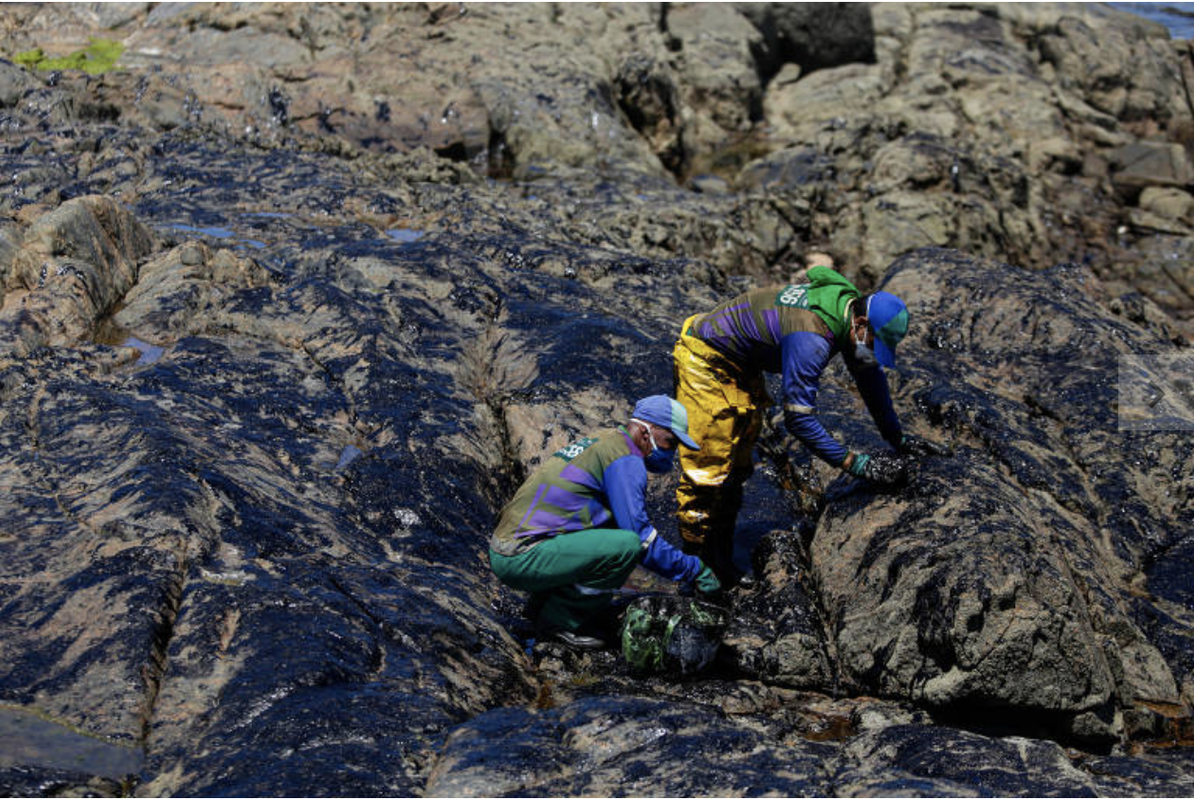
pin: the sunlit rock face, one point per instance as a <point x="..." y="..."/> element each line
<point x="295" y="296"/>
<point x="1016" y="586"/>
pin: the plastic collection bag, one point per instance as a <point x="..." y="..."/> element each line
<point x="672" y="634"/>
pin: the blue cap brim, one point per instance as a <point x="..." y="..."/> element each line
<point x="686" y="440"/>
<point x="884" y="354"/>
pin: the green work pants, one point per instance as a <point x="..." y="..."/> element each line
<point x="552" y="571"/>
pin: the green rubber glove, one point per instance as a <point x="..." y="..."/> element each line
<point x="858" y="467"/>
<point x="707" y="582"/>
<point x="885" y="469"/>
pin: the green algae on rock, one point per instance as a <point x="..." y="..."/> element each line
<point x="96" y="58"/>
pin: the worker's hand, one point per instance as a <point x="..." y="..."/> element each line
<point x="884" y="469"/>
<point x="918" y="448"/>
<point x="857" y="466"/>
<point x="706" y="582"/>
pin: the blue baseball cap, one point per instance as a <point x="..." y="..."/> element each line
<point x="888" y="317"/>
<point x="661" y="410"/>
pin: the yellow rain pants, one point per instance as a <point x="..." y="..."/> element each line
<point x="725" y="415"/>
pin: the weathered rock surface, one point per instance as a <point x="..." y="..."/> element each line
<point x="296" y="294"/>
<point x="1008" y="130"/>
<point x="596" y="746"/>
<point x="1016" y="577"/>
<point x="74" y="265"/>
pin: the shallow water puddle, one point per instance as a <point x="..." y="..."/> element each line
<point x="109" y="334"/>
<point x="404" y="235"/>
<point x="214" y="232"/>
<point x="27" y="739"/>
<point x="150" y="353"/>
<point x="350" y="454"/>
<point x="220" y="233"/>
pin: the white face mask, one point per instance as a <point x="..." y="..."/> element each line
<point x="863" y="354"/>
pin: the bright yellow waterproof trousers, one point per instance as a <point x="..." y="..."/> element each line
<point x="725" y="415"/>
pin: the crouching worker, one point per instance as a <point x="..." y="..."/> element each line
<point x="577" y="527"/>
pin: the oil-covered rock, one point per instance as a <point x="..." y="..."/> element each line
<point x="294" y="297"/>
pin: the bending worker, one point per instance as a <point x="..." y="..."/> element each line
<point x="576" y="528"/>
<point x="794" y="330"/>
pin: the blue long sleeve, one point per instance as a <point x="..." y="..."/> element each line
<point x="872" y="385"/>
<point x="809" y="430"/>
<point x="804" y="357"/>
<point x="663" y="559"/>
<point x="626" y="486"/>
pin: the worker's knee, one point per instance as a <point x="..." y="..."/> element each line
<point x="625" y="545"/>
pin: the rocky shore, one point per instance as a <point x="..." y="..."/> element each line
<point x="293" y="295"/>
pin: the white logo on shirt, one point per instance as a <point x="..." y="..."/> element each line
<point x="793" y="296"/>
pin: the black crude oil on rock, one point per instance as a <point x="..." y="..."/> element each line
<point x="293" y="296"/>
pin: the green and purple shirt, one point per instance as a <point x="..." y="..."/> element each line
<point x="597" y="482"/>
<point x="794" y="330"/>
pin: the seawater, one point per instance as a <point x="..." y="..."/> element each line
<point x="1178" y="17"/>
<point x="29" y="739"/>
